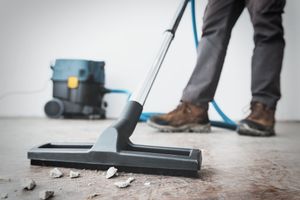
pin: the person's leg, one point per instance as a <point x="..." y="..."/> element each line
<point x="266" y="16"/>
<point x="191" y="114"/>
<point x="219" y="19"/>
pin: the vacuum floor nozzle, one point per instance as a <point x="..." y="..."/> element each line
<point x="133" y="158"/>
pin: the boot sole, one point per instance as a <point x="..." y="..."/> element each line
<point x="195" y="128"/>
<point x="244" y="129"/>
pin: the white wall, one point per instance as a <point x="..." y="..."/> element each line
<point x="127" y="34"/>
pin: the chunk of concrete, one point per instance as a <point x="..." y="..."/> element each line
<point x="4" y="196"/>
<point x="74" y="174"/>
<point x="147" y="183"/>
<point x="28" y="184"/>
<point x="111" y="172"/>
<point x="130" y="179"/>
<point x="124" y="184"/>
<point x="46" y="194"/>
<point x="56" y="173"/>
<point x="92" y="196"/>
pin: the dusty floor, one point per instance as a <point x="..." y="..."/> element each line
<point x="234" y="167"/>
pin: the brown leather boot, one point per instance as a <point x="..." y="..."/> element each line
<point x="186" y="117"/>
<point x="260" y="122"/>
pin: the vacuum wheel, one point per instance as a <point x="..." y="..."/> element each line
<point x="54" y="108"/>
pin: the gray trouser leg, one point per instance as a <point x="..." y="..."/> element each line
<point x="219" y="18"/>
<point x="266" y="17"/>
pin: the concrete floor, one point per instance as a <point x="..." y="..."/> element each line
<point x="234" y="167"/>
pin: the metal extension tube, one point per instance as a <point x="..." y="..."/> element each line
<point x="141" y="94"/>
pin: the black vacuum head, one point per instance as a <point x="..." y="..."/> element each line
<point x="134" y="158"/>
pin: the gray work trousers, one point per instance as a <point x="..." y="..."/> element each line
<point x="219" y="19"/>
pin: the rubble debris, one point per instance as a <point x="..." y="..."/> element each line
<point x="147" y="183"/>
<point x="74" y="174"/>
<point x="56" y="173"/>
<point x="28" y="184"/>
<point x="111" y="172"/>
<point x="130" y="179"/>
<point x="46" y="194"/>
<point x="93" y="196"/>
<point x="124" y="184"/>
<point x="4" y="196"/>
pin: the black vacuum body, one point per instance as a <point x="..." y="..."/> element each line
<point x="78" y="89"/>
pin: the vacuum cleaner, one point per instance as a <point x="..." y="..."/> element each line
<point x="78" y="89"/>
<point x="114" y="148"/>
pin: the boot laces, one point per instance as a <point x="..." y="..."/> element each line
<point x="257" y="109"/>
<point x="182" y="107"/>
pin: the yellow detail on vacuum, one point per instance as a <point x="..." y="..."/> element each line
<point x="73" y="82"/>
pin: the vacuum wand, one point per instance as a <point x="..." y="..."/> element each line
<point x="143" y="91"/>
